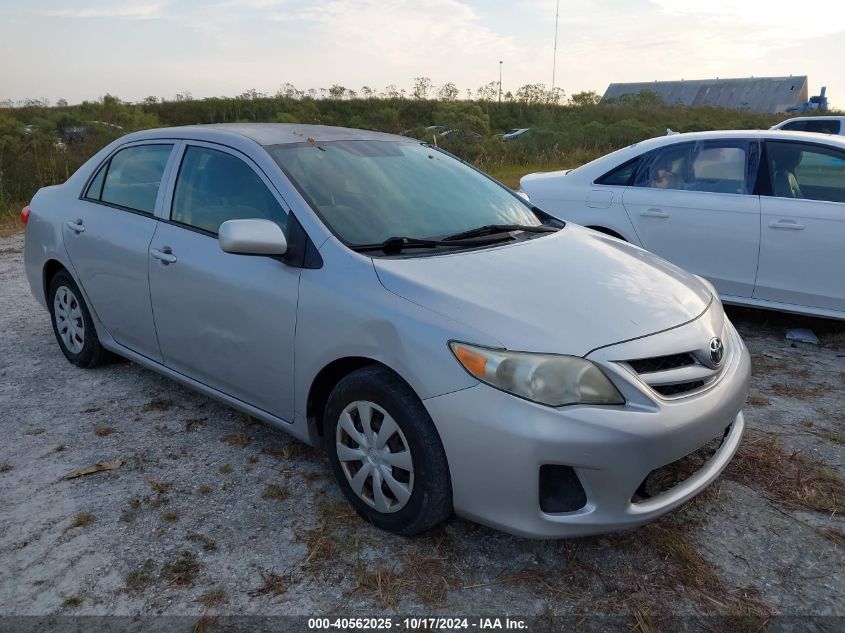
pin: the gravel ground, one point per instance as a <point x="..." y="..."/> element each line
<point x="211" y="513"/>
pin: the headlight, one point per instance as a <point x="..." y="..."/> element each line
<point x="549" y="379"/>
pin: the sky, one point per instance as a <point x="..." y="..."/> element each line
<point x="83" y="49"/>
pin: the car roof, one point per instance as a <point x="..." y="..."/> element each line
<point x="780" y="135"/>
<point x="825" y="117"/>
<point x="265" y="133"/>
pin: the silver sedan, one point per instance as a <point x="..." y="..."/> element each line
<point x="452" y="347"/>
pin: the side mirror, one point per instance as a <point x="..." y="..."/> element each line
<point x="252" y="237"/>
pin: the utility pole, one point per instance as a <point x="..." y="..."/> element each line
<point x="500" y="80"/>
<point x="554" y="58"/>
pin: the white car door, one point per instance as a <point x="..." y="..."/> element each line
<point x="802" y="249"/>
<point x="693" y="204"/>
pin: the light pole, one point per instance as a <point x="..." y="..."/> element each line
<point x="500" y="80"/>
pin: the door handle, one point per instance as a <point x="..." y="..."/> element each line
<point x="165" y="255"/>
<point x="77" y="227"/>
<point x="786" y="224"/>
<point x="654" y="213"/>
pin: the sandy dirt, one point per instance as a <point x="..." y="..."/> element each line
<point x="210" y="512"/>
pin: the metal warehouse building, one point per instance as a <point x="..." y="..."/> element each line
<point x="754" y="94"/>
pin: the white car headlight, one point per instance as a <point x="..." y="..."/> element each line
<point x="549" y="379"/>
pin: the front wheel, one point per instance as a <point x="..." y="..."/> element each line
<point x="386" y="453"/>
<point x="72" y="323"/>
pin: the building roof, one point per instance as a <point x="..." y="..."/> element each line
<point x="754" y="94"/>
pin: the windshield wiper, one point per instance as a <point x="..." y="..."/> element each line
<point x="395" y="245"/>
<point x="492" y="229"/>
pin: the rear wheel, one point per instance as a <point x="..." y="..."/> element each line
<point x="72" y="323"/>
<point x="386" y="453"/>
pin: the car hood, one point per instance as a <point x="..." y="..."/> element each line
<point x="565" y="293"/>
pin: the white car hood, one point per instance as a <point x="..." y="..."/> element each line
<point x="565" y="293"/>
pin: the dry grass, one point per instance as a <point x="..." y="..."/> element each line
<point x="272" y="492"/>
<point x="81" y="519"/>
<point x="60" y="448"/>
<point x="139" y="579"/>
<point x="798" y="392"/>
<point x="791" y="478"/>
<point x="225" y="469"/>
<point x="208" y="544"/>
<point x="72" y="602"/>
<point x="271" y="584"/>
<point x="5" y="467"/>
<point x="334" y="521"/>
<point x="295" y="450"/>
<point x="205" y="489"/>
<point x="758" y="400"/>
<point x="158" y="487"/>
<point x="672" y="542"/>
<point x="103" y="431"/>
<point x="835" y="535"/>
<point x="157" y="404"/>
<point x="193" y="424"/>
<point x="238" y="439"/>
<point x="131" y="510"/>
<point x="380" y="584"/>
<point x="171" y="516"/>
<point x="182" y="572"/>
<point x="213" y="597"/>
<point x="36" y="431"/>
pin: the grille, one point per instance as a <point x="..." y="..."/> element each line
<point x="661" y="363"/>
<point x="677" y="388"/>
<point x="666" y="477"/>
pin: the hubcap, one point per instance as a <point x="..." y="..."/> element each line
<point x="69" y="322"/>
<point x="375" y="456"/>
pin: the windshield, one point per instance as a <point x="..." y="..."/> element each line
<point x="369" y="191"/>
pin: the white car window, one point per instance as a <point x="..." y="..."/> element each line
<point x="810" y="172"/>
<point x="711" y="166"/>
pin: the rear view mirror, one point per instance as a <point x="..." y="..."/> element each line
<point x="252" y="237"/>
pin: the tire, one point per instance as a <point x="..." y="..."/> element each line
<point x="72" y="323"/>
<point x="385" y="397"/>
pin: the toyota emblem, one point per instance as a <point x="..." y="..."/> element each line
<point x="717" y="350"/>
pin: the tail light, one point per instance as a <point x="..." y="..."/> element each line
<point x="25" y="215"/>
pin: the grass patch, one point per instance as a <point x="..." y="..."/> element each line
<point x="790" y="478"/>
<point x="208" y="544"/>
<point x="672" y="542"/>
<point x="34" y="431"/>
<point x="835" y="535"/>
<point x="139" y="579"/>
<point x="204" y="489"/>
<point x="238" y="439"/>
<point x="103" y="431"/>
<point x="182" y="572"/>
<point x="758" y="400"/>
<point x="193" y="424"/>
<point x="171" y="516"/>
<point x="799" y="392"/>
<point x="10" y="218"/>
<point x="380" y="584"/>
<point x="158" y="487"/>
<point x="213" y="597"/>
<point x="72" y="602"/>
<point x="275" y="493"/>
<point x="60" y="448"/>
<point x="81" y="519"/>
<point x="334" y="519"/>
<point x="157" y="404"/>
<point x="131" y="510"/>
<point x="5" y="467"/>
<point x="271" y="584"/>
<point x="225" y="469"/>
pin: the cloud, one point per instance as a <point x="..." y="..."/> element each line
<point x="140" y="11"/>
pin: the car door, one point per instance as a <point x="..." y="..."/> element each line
<point x="802" y="250"/>
<point x="693" y="204"/>
<point x="108" y="237"/>
<point x="225" y="320"/>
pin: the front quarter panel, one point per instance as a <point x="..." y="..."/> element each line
<point x="344" y="312"/>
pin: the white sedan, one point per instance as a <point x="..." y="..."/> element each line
<point x="761" y="214"/>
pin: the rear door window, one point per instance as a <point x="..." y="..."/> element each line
<point x="132" y="178"/>
<point x="805" y="171"/>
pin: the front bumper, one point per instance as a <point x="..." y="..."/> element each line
<point x="495" y="444"/>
